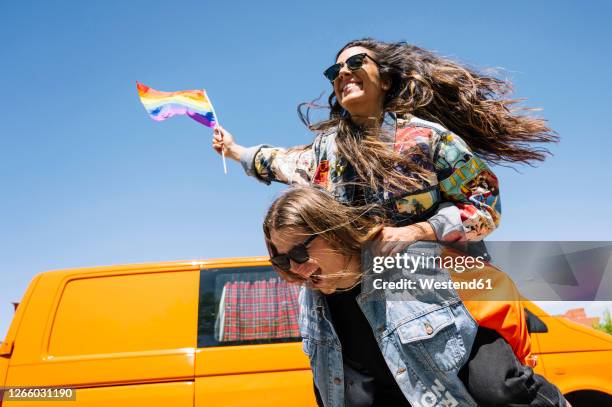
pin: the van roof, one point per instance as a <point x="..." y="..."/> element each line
<point x="167" y="265"/>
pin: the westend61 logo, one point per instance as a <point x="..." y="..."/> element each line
<point x="411" y="262"/>
<point x="433" y="284"/>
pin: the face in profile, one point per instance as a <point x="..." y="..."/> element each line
<point x="326" y="269"/>
<point x="360" y="92"/>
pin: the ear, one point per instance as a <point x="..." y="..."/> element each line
<point x="386" y="84"/>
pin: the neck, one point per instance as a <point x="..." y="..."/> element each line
<point x="367" y="119"/>
<point x="353" y="274"/>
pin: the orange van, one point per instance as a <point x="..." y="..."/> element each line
<point x="208" y="333"/>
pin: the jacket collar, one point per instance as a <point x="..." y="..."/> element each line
<point x="388" y="127"/>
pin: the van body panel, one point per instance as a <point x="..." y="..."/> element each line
<point x="573" y="371"/>
<point x="291" y="388"/>
<point x="251" y="359"/>
<point x="107" y="370"/>
<point x="6" y="346"/>
<point x="85" y="328"/>
<point x="535" y="351"/>
<point x="572" y="356"/>
<point x="119" y="313"/>
<point x="175" y="394"/>
<point x="567" y="336"/>
<point x="4" y="362"/>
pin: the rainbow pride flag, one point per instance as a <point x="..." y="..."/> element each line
<point x="163" y="105"/>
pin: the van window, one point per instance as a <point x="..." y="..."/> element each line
<point x="247" y="305"/>
<point x="534" y="324"/>
<point x="126" y="313"/>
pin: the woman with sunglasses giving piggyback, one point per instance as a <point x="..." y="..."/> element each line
<point x="414" y="347"/>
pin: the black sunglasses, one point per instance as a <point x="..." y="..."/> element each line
<point x="353" y="63"/>
<point x="298" y="253"/>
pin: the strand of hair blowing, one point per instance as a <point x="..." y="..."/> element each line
<point x="472" y="105"/>
<point x="311" y="210"/>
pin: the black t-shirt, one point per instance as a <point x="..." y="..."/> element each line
<point x="368" y="380"/>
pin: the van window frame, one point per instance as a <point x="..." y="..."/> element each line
<point x="208" y="306"/>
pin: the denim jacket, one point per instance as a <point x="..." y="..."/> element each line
<point x="424" y="340"/>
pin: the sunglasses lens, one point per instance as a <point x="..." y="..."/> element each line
<point x="332" y="72"/>
<point x="282" y="262"/>
<point x="299" y="254"/>
<point x="353" y="63"/>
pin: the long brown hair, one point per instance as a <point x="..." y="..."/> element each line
<point x="473" y="105"/>
<point x="312" y="210"/>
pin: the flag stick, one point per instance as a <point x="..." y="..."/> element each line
<point x="217" y="124"/>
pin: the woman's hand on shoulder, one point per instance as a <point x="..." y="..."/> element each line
<point x="223" y="139"/>
<point x="392" y="240"/>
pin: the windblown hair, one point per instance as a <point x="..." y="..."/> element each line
<point x="472" y="105"/>
<point x="310" y="210"/>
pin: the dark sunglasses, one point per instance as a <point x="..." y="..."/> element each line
<point x="353" y="63"/>
<point x="298" y="253"/>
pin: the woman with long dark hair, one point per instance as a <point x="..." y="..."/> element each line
<point x="411" y="131"/>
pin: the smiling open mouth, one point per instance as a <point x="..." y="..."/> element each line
<point x="350" y="86"/>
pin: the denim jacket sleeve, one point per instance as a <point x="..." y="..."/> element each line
<point x="470" y="189"/>
<point x="295" y="165"/>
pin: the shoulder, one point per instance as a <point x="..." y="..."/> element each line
<point x="417" y="122"/>
<point x="324" y="139"/>
<point x="327" y="134"/>
<point x="420" y="128"/>
<point x="438" y="137"/>
<point x="415" y="132"/>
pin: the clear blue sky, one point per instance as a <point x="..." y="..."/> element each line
<point x="88" y="179"/>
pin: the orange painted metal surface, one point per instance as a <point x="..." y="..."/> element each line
<point x="127" y="335"/>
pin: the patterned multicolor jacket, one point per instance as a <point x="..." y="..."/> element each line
<point x="461" y="202"/>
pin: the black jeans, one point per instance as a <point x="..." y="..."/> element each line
<point x="493" y="376"/>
